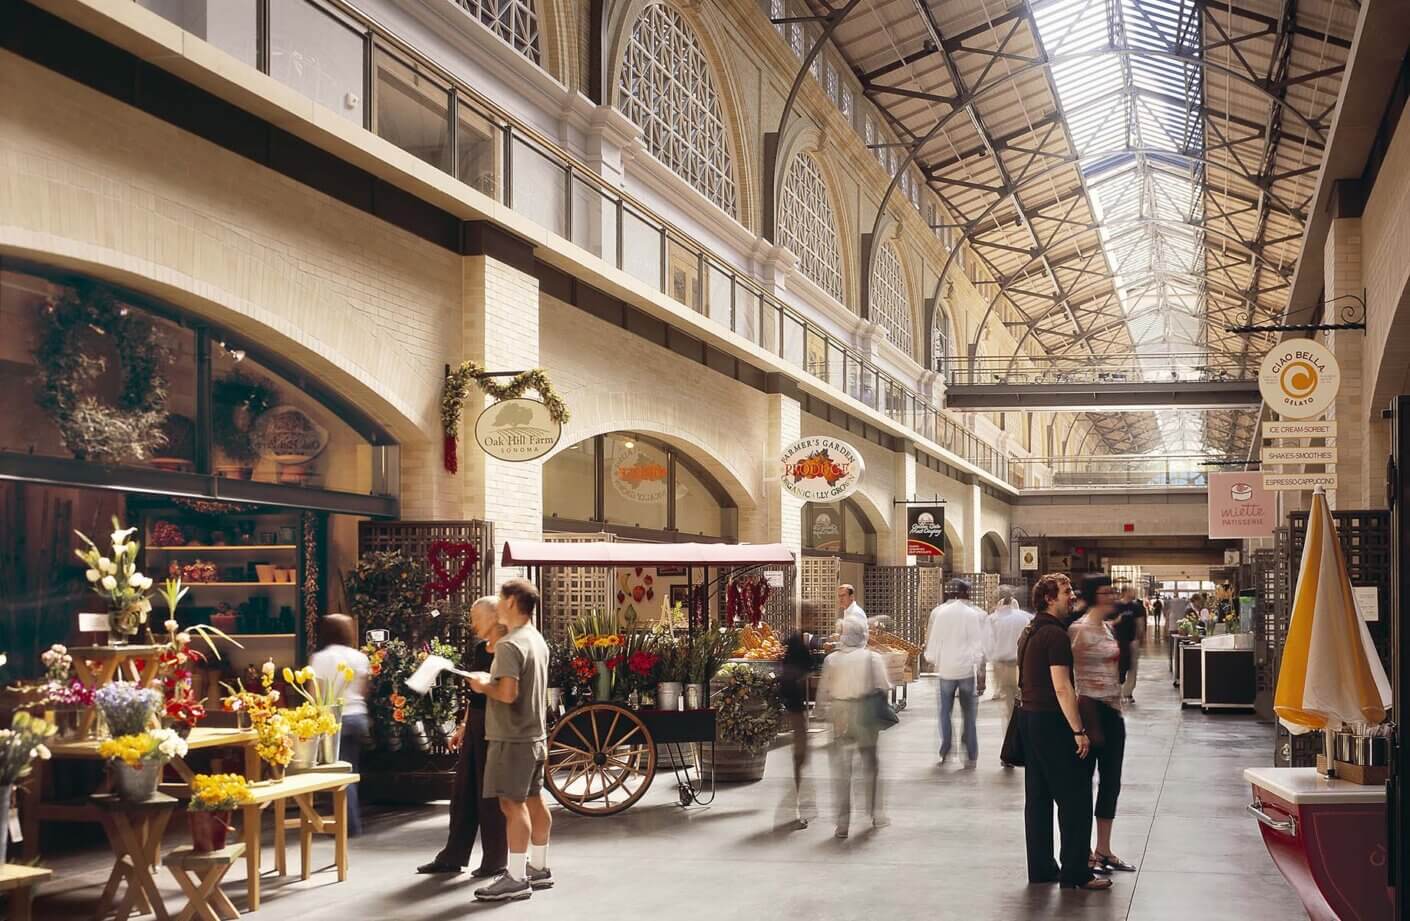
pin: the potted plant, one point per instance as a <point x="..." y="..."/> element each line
<point x="597" y="638"/>
<point x="137" y="760"/>
<point x="213" y="796"/>
<point x="237" y="401"/>
<point x="327" y="698"/>
<point x="708" y="651"/>
<point x="127" y="709"/>
<point x="117" y="580"/>
<point x="308" y="723"/>
<point x="560" y="674"/>
<point x="747" y="708"/>
<point x="19" y="746"/>
<point x="274" y="743"/>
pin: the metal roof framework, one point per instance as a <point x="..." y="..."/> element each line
<point x="1131" y="175"/>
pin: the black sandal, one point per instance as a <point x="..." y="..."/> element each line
<point x="1095" y="884"/>
<point x="1111" y="862"/>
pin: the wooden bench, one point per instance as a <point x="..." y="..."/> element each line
<point x="35" y="808"/>
<point x="135" y="834"/>
<point x="300" y="788"/>
<point x="19" y="881"/>
<point x="199" y="873"/>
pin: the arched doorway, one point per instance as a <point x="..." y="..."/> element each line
<point x="993" y="555"/>
<point x="637" y="487"/>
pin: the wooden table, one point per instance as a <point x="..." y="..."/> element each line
<point x="134" y="832"/>
<point x="110" y="660"/>
<point x="19" y="881"/>
<point x="34" y="808"/>
<point x="300" y="788"/>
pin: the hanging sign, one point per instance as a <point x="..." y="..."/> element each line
<point x="825" y="528"/>
<point x="1299" y="379"/>
<point x="1239" y="506"/>
<point x="821" y="469"/>
<point x="1322" y="428"/>
<point x="925" y="530"/>
<point x="517" y="430"/>
<point x="1299" y="481"/>
<point x="639" y="477"/>
<point x="1299" y="455"/>
<point x="1028" y="559"/>
<point x="289" y="435"/>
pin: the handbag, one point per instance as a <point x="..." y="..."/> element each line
<point x="878" y="712"/>
<point x="1011" y="752"/>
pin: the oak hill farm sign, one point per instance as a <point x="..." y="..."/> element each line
<point x="517" y="430"/>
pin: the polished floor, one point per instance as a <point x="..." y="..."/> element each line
<point x="954" y="848"/>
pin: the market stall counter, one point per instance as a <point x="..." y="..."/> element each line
<point x="1328" y="839"/>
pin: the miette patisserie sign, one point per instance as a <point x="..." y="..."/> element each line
<point x="1239" y="506"/>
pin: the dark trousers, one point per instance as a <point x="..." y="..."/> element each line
<point x="350" y="741"/>
<point x="1054" y="774"/>
<point x="1106" y="761"/>
<point x="469" y="811"/>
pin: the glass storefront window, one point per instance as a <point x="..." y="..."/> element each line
<point x="318" y="55"/>
<point x="637" y="474"/>
<point x="568" y="490"/>
<point x="837" y="527"/>
<point x="412" y="110"/>
<point x="697" y="510"/>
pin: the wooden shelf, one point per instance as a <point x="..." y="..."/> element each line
<point x="256" y="636"/>
<point x="238" y="584"/>
<point x="203" y="548"/>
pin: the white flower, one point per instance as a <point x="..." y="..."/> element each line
<point x="106" y="565"/>
<point x="131" y="549"/>
<point x="3" y="659"/>
<point x="144" y="607"/>
<point x="268" y="667"/>
<point x="60" y="648"/>
<point x="120" y="537"/>
<point x="171" y="626"/>
<point x="109" y="583"/>
<point x="93" y="575"/>
<point x="183" y="638"/>
<point x="135" y="580"/>
<point x="43" y="752"/>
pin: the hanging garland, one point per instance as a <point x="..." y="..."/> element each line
<point x="457" y="387"/>
<point x="132" y="425"/>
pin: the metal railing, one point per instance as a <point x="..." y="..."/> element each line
<point x="1119" y="369"/>
<point x="340" y="57"/>
<point x="1127" y="472"/>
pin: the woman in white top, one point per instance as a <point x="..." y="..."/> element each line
<point x="848" y="676"/>
<point x="337" y="637"/>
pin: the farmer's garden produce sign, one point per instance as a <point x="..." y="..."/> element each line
<point x="821" y="469"/>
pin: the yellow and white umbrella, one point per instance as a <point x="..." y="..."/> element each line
<point x="1330" y="674"/>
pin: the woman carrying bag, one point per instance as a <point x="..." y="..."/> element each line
<point x="847" y="694"/>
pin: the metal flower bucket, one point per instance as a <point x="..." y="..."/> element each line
<point x="305" y="754"/>
<point x="136" y="784"/>
<point x="329" y="745"/>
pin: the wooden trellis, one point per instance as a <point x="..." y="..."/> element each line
<point x="570" y="592"/>
<point x="895" y="591"/>
<point x="821" y="575"/>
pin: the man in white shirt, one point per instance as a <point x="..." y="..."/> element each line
<point x="1002" y="630"/>
<point x="955" y="644"/>
<point x="847" y="605"/>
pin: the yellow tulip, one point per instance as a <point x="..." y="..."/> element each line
<point x="288" y="675"/>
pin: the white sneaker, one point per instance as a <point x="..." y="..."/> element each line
<point x="505" y="889"/>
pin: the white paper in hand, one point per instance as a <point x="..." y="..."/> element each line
<point x="428" y="671"/>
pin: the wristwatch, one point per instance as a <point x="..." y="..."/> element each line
<point x="1079" y="732"/>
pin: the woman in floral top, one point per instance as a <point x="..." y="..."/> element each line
<point x="1095" y="664"/>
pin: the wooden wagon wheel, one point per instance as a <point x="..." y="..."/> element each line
<point x="601" y="760"/>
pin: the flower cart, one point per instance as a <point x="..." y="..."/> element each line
<point x="602" y="754"/>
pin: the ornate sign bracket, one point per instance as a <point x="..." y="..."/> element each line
<point x="1353" y="316"/>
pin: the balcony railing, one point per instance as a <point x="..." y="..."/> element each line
<point x="344" y="60"/>
<point x="1111" y="369"/>
<point x="1086" y="473"/>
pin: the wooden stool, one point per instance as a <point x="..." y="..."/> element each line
<point x="19" y="881"/>
<point x="207" y="868"/>
<point x="135" y="834"/>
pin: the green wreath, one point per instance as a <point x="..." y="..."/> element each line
<point x="131" y="427"/>
<point x="747" y="707"/>
<point x="228" y="396"/>
<point x="457" y="387"/>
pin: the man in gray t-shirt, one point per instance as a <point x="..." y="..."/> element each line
<point x="517" y="691"/>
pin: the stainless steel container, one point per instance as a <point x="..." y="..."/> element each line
<point x="1344" y="746"/>
<point x="1370" y="751"/>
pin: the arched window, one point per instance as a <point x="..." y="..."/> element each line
<point x="808" y="225"/>
<point x="666" y="88"/>
<point x="890" y="304"/>
<point x="515" y="21"/>
<point x="940" y="340"/>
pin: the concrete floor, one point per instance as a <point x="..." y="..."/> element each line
<point x="954" y="850"/>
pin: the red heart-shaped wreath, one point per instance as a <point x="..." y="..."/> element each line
<point x="443" y="581"/>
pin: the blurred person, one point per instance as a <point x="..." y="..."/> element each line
<point x="793" y="686"/>
<point x="955" y="644"/>
<point x="516" y="731"/>
<point x="1128" y="626"/>
<point x="1158" y="616"/>
<point x="471" y="811"/>
<point x="1055" y="745"/>
<point x="849" y="675"/>
<point x="1003" y="628"/>
<point x="337" y="637"/>
<point x="1096" y="656"/>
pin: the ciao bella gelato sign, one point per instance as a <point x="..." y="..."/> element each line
<point x="517" y="430"/>
<point x="1299" y="379"/>
<point x="821" y="469"/>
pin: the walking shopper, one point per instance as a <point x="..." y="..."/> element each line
<point x="955" y="644"/>
<point x="849" y="676"/>
<point x="1127" y="627"/>
<point x="337" y="635"/>
<point x="1003" y="628"/>
<point x="515" y="727"/>
<point x="1055" y="745"/>
<point x="472" y="812"/>
<point x="1096" y="655"/>
<point x="793" y="687"/>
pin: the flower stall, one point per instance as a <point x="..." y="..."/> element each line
<point x="630" y="695"/>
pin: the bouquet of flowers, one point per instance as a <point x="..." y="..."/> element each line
<point x="272" y="740"/>
<point x="309" y="721"/>
<point x="218" y="792"/>
<point x="21" y="744"/>
<point x="708" y="651"/>
<point x="596" y="637"/>
<point x="72" y="695"/>
<point x="57" y="663"/>
<point x="117" y="580"/>
<point x="135" y="749"/>
<point x="127" y="707"/>
<point x="674" y="664"/>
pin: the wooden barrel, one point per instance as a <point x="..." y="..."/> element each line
<point x="731" y="763"/>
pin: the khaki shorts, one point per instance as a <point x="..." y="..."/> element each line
<point x="514" y="770"/>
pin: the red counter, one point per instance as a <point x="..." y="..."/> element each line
<point x="1327" y="838"/>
